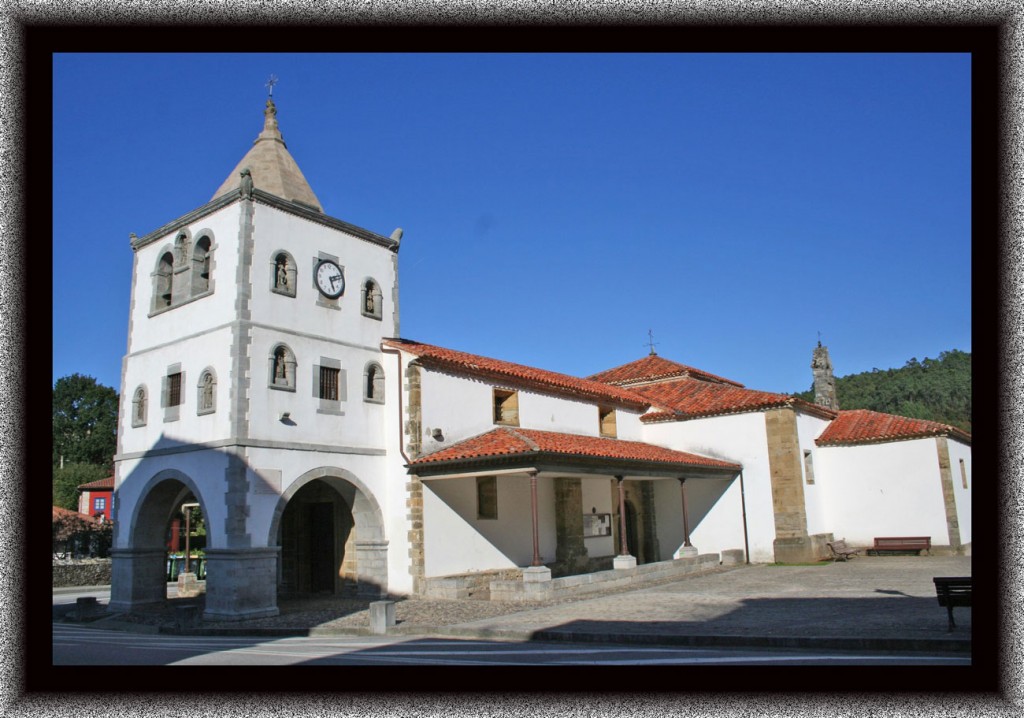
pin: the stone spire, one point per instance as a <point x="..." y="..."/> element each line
<point x="824" y="381"/>
<point x="271" y="166"/>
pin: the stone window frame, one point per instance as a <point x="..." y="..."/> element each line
<point x="370" y="287"/>
<point x="163" y="280"/>
<point x="505" y="407"/>
<point x="808" y="466"/>
<point x="330" y="406"/>
<point x="963" y="473"/>
<point x="201" y="408"/>
<point x="373" y="383"/>
<point x="201" y="262"/>
<point x="139" y="399"/>
<point x="282" y="353"/>
<point x="172" y="412"/>
<point x="607" y="424"/>
<point x="291" y="273"/>
<point x="487" y="498"/>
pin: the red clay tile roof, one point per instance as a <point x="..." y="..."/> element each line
<point x="692" y="398"/>
<point x="58" y="512"/>
<point x="653" y="368"/>
<point x="102" y="484"/>
<point x="531" y="444"/>
<point x="860" y="426"/>
<point x="507" y="372"/>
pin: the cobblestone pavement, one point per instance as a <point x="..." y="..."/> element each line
<point x="890" y="597"/>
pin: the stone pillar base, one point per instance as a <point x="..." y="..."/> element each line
<point x="536" y="574"/>
<point x="623" y="562"/>
<point x="138" y="578"/>
<point x="188" y="585"/>
<point x="382" y="616"/>
<point x="686" y="552"/>
<point x="241" y="583"/>
<point x="798" y="549"/>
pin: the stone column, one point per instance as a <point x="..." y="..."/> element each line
<point x="372" y="560"/>
<point x="138" y="578"/>
<point x="948" y="496"/>
<point x="241" y="583"/>
<point x="624" y="560"/>
<point x="792" y="544"/>
<point x="570" y="551"/>
<point x="687" y="550"/>
<point x="536" y="571"/>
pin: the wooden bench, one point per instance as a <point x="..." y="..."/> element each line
<point x="953" y="591"/>
<point x="901" y="544"/>
<point x="840" y="550"/>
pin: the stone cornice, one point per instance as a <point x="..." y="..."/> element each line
<point x="265" y="198"/>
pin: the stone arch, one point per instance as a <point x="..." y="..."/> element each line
<point x="282" y="367"/>
<point x="283" y="273"/>
<point x="371" y="299"/>
<point x="202" y="261"/>
<point x="370" y="565"/>
<point x="140" y="406"/>
<point x="139" y="559"/>
<point x="373" y="382"/>
<point x="163" y="280"/>
<point x="206" y="391"/>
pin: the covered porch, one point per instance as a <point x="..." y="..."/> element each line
<point x="522" y="506"/>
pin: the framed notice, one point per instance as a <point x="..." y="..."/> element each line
<point x="597" y="525"/>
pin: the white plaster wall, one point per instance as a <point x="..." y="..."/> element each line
<point x="808" y="428"/>
<point x="597" y="493"/>
<point x="274" y="231"/>
<point x="205" y="468"/>
<point x="194" y="354"/>
<point x="359" y="423"/>
<point x="463" y="407"/>
<point x="449" y="520"/>
<point x="740" y="438"/>
<point x="714" y="512"/>
<point x="196" y="316"/>
<point x="889" y="489"/>
<point x="958" y="451"/>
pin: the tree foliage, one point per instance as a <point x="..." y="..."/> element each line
<point x="75" y="535"/>
<point x="67" y="480"/>
<point x="84" y="421"/>
<point x="932" y="389"/>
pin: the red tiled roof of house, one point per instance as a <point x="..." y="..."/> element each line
<point x="653" y="368"/>
<point x="58" y="512"/>
<point x="860" y="426"/>
<point x="503" y="371"/>
<point x="532" y="443"/>
<point x="100" y="485"/>
<point x="692" y="398"/>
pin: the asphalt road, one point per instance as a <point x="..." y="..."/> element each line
<point x="78" y="645"/>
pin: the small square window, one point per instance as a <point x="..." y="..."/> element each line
<point x="487" y="497"/>
<point x="174" y="389"/>
<point x="329" y="381"/>
<point x="607" y="422"/>
<point x="808" y="467"/>
<point x="506" y="407"/>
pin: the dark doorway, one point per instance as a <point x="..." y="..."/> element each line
<point x="631" y="530"/>
<point x="316" y="533"/>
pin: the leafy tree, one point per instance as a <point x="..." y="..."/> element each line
<point x="84" y="421"/>
<point x="67" y="480"/>
<point x="932" y="389"/>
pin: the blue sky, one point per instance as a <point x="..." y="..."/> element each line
<point x="557" y="207"/>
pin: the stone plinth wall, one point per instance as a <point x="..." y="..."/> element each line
<point x="469" y="585"/>
<point x="603" y="580"/>
<point x="86" y="572"/>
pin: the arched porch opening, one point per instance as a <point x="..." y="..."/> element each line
<point x="331" y="534"/>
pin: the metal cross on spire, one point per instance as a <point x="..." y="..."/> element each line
<point x="270" y="85"/>
<point x="650" y="341"/>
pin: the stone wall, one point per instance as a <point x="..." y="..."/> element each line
<point x="82" y="572"/>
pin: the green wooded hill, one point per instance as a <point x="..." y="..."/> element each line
<point x="932" y="389"/>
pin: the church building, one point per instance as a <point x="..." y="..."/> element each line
<point x="266" y="379"/>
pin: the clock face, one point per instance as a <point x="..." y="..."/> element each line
<point x="329" y="279"/>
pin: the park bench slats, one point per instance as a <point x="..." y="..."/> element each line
<point x="901" y="544"/>
<point x="953" y="591"/>
<point x="841" y="551"/>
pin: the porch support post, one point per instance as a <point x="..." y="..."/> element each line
<point x="533" y="511"/>
<point x="536" y="572"/>
<point x="624" y="559"/>
<point x="687" y="550"/>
